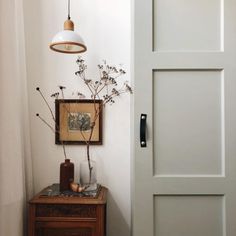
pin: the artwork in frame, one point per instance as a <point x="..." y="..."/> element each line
<point x="73" y="121"/>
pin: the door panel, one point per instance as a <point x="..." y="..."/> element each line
<point x="194" y="25"/>
<point x="184" y="70"/>
<point x="186" y="143"/>
<point x="183" y="215"/>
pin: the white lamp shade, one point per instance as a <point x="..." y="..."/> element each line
<point x="67" y="41"/>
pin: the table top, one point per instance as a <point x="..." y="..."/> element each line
<point x="50" y="195"/>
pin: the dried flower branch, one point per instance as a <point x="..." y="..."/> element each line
<point x="106" y="87"/>
<point x="56" y="96"/>
<point x="62" y="88"/>
<point x="38" y="89"/>
<point x="46" y="123"/>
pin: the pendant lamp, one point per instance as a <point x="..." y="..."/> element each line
<point x="68" y="41"/>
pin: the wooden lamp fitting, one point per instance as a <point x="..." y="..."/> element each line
<point x="69" y="25"/>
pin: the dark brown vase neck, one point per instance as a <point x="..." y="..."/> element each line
<point x="66" y="175"/>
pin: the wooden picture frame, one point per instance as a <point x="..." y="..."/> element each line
<point x="71" y="115"/>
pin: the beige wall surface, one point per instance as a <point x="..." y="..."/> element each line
<point x="105" y="27"/>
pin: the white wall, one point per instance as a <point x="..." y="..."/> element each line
<point x="105" y="27"/>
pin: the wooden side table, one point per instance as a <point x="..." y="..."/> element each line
<point x="67" y="215"/>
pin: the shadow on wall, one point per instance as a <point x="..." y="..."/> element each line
<point x="116" y="224"/>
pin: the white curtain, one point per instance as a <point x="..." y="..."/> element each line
<point x="15" y="163"/>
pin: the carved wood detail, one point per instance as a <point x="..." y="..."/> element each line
<point x="46" y="210"/>
<point x="65" y="232"/>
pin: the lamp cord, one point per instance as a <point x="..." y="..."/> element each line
<point x="68" y="9"/>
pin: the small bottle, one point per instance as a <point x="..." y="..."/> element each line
<point x="66" y="175"/>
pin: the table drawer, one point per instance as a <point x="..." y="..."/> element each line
<point x="65" y="232"/>
<point x="66" y="210"/>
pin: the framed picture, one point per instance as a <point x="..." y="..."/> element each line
<point x="73" y="121"/>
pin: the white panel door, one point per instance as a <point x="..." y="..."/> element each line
<point x="184" y="77"/>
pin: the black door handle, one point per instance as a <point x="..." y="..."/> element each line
<point x="143" y="119"/>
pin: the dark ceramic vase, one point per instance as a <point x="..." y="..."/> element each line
<point x="66" y="175"/>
